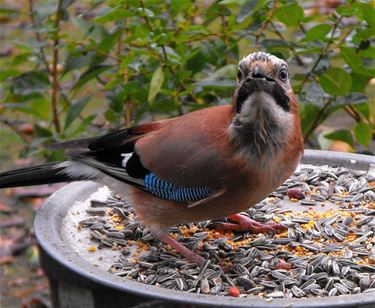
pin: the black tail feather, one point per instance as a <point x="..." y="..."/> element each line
<point x="42" y="174"/>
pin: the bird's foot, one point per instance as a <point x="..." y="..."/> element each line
<point x="186" y="252"/>
<point x="244" y="223"/>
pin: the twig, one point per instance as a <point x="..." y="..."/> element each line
<point x="267" y="20"/>
<point x="166" y="61"/>
<point x="15" y="129"/>
<point x="344" y="36"/>
<point x="108" y="55"/>
<point x="279" y="34"/>
<point x="225" y="38"/>
<point x="38" y="36"/>
<point x="42" y="52"/>
<point x="302" y="28"/>
<point x="322" y="54"/>
<point x="358" y="117"/>
<point x="318" y="118"/>
<point x="55" y="59"/>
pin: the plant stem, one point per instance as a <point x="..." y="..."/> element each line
<point x="225" y="37"/>
<point x="124" y="75"/>
<point x="55" y="60"/>
<point x="358" y="117"/>
<point x="43" y="55"/>
<point x="279" y="34"/>
<point x="38" y="36"/>
<point x="14" y="128"/>
<point x="322" y="54"/>
<point x="166" y="61"/>
<point x="267" y="20"/>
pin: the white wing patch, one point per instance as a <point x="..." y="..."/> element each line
<point x="126" y="157"/>
<point x="77" y="170"/>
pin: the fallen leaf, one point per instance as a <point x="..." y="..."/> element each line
<point x="7" y="260"/>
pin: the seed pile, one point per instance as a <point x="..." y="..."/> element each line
<point x="328" y="250"/>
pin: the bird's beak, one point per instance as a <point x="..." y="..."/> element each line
<point x="259" y="72"/>
<point x="258" y="80"/>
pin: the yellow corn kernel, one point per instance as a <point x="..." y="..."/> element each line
<point x="92" y="248"/>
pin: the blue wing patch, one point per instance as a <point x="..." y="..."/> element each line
<point x="166" y="190"/>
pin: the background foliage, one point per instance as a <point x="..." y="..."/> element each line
<point x="77" y="67"/>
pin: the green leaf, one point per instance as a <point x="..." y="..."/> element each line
<point x="290" y="14"/>
<point x="42" y="131"/>
<point x="180" y="5"/>
<point x="5" y="74"/>
<point x="316" y="33"/>
<point x="368" y="12"/>
<point x="21" y="107"/>
<point x="369" y="52"/>
<point x="91" y="73"/>
<point x="41" y="107"/>
<point x="217" y="84"/>
<point x="335" y="81"/>
<point x="76" y="60"/>
<point x="84" y="125"/>
<point x="75" y="110"/>
<point x="353" y="60"/>
<point x="342" y="135"/>
<point x="308" y="113"/>
<point x="359" y="82"/>
<point x="227" y="71"/>
<point x="30" y="83"/>
<point x="155" y="85"/>
<point x="117" y="13"/>
<point x="346" y="10"/>
<point x="364" y="109"/>
<point x="246" y="10"/>
<point x="276" y="43"/>
<point x="7" y="11"/>
<point x="107" y="42"/>
<point x="363" y="133"/>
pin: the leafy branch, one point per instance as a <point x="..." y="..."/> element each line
<point x="55" y="61"/>
<point x="322" y="54"/>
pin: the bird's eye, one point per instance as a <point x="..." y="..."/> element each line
<point x="283" y="74"/>
<point x="239" y="75"/>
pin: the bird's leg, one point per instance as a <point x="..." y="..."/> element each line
<point x="245" y="223"/>
<point x="186" y="252"/>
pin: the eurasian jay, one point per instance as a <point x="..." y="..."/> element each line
<point x="207" y="164"/>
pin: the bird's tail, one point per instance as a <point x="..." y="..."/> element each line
<point x="41" y="174"/>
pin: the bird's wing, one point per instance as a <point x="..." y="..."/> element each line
<point x="179" y="159"/>
<point x="108" y="152"/>
<point x="192" y="150"/>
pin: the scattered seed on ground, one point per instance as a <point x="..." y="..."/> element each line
<point x="328" y="249"/>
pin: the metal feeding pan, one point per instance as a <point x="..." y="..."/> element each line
<point x="79" y="278"/>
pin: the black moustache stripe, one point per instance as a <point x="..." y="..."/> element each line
<point x="255" y="85"/>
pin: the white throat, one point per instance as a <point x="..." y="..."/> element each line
<point x="262" y="127"/>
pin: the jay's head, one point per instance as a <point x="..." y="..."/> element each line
<point x="265" y="106"/>
<point x="262" y="78"/>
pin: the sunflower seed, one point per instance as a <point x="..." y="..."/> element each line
<point x="333" y="292"/>
<point x="276" y="294"/>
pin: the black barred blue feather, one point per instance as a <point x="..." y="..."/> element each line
<point x="166" y="190"/>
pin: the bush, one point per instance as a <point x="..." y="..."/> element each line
<point x="105" y="64"/>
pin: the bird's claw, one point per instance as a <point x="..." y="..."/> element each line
<point x="245" y="223"/>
